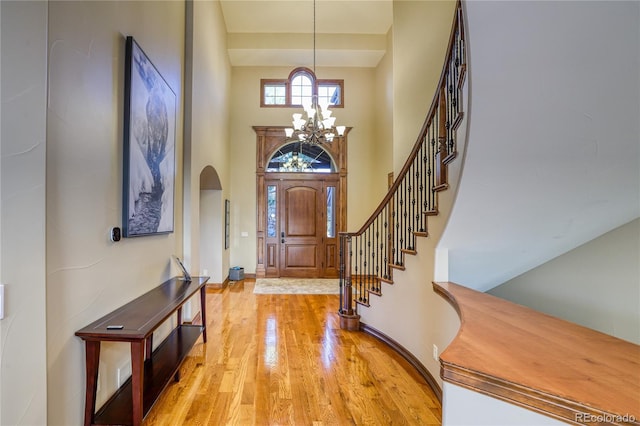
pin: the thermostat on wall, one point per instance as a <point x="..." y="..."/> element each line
<point x="116" y="234"/>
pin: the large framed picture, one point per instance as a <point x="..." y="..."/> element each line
<point x="149" y="147"/>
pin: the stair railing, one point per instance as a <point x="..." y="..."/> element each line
<point x="369" y="256"/>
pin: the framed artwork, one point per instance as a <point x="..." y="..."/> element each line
<point x="149" y="147"/>
<point x="227" y="217"/>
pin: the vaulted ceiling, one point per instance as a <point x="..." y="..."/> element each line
<point x="349" y="33"/>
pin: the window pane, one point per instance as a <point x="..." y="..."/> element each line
<point x="271" y="211"/>
<point x="301" y="89"/>
<point x="274" y="94"/>
<point x="329" y="93"/>
<point x="331" y="213"/>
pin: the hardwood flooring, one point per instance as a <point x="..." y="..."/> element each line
<point x="283" y="360"/>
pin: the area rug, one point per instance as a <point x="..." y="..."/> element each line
<point x="296" y="286"/>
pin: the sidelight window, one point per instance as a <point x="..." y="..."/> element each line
<point x="271" y="211"/>
<point x="331" y="212"/>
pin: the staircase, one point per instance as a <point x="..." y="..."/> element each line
<point x="369" y="256"/>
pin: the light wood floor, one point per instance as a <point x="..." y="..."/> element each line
<point x="283" y="360"/>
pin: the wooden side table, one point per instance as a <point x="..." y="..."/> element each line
<point x="151" y="371"/>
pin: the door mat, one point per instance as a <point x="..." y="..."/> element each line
<point x="297" y="286"/>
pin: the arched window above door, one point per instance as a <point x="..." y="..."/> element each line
<point x="301" y="157"/>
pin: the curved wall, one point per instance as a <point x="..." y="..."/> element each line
<point x="554" y="155"/>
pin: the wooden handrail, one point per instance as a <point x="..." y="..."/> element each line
<point x="540" y="362"/>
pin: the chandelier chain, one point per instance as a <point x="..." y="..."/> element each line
<point x="318" y="127"/>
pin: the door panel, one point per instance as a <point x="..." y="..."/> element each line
<point x="301" y="256"/>
<point x="301" y="207"/>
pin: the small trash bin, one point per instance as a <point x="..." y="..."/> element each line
<point x="236" y="273"/>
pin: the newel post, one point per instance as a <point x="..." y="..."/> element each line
<point x="349" y="319"/>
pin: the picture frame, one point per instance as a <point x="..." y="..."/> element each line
<point x="149" y="144"/>
<point x="227" y="218"/>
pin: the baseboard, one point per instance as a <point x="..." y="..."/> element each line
<point x="404" y="353"/>
<point x="197" y="320"/>
<point x="227" y="281"/>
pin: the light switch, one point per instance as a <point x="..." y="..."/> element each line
<point x="1" y="301"/>
<point x="244" y="234"/>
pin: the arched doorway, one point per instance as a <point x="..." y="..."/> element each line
<point x="211" y="225"/>
<point x="301" y="205"/>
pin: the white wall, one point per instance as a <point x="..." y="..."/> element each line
<point x="553" y="158"/>
<point x="23" y="380"/>
<point x="596" y="285"/>
<point x="464" y="407"/>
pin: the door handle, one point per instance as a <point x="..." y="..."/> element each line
<point x="282" y="237"/>
<point x="282" y="240"/>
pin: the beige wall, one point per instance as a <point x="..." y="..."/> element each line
<point x="596" y="285"/>
<point x="23" y="376"/>
<point x="420" y="37"/>
<point x="410" y="311"/>
<point x="89" y="276"/>
<point x="384" y="117"/>
<point x="421" y="32"/>
<point x="206" y="136"/>
<point x="358" y="112"/>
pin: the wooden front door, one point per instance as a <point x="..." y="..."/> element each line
<point x="301" y="218"/>
<point x="302" y="226"/>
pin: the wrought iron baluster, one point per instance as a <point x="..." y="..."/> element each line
<point x="387" y="240"/>
<point x="377" y="253"/>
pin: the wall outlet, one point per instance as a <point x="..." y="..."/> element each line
<point x="435" y="353"/>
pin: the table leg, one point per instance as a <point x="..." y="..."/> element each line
<point x="137" y="380"/>
<point x="92" y="354"/>
<point x="203" y="311"/>
<point x="149" y="347"/>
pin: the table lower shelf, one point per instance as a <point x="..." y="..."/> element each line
<point x="158" y="371"/>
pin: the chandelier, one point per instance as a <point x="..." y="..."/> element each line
<point x="318" y="126"/>
<point x="296" y="162"/>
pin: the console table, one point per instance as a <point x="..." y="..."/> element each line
<point x="151" y="371"/>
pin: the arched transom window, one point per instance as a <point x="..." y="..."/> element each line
<point x="300" y="157"/>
